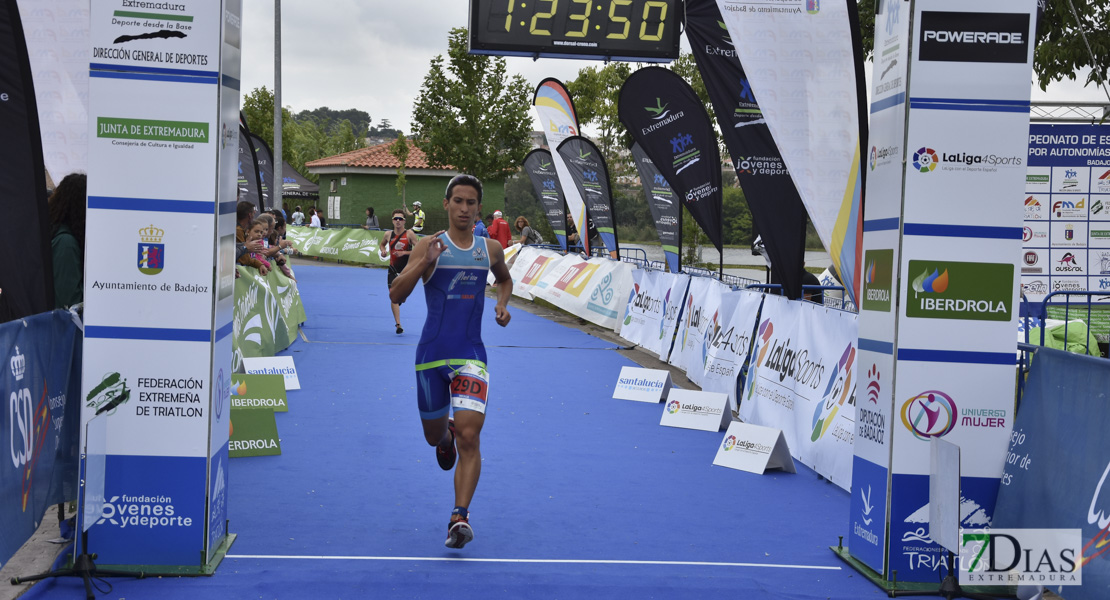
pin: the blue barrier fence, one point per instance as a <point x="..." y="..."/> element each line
<point x="41" y="385"/>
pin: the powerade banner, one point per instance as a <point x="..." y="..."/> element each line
<point x="26" y="287"/>
<point x="555" y="110"/>
<point x="248" y="181"/>
<point x="801" y="380"/>
<point x="667" y="119"/>
<point x="666" y="210"/>
<point x="590" y="175"/>
<point x="1063" y="481"/>
<point x="799" y="59"/>
<point x="540" y="168"/>
<point x="265" y="160"/>
<point x="268" y="311"/>
<point x="349" y="245"/>
<point x="776" y="207"/>
<point x="1066" y="233"/>
<point x="40" y="383"/>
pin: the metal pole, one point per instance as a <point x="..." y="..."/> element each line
<point x="276" y="194"/>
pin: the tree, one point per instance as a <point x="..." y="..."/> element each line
<point x="326" y="119"/>
<point x="1060" y="50"/>
<point x="470" y="115"/>
<point x="258" y="108"/>
<point x="400" y="151"/>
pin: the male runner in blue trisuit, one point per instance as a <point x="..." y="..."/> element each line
<point x="450" y="358"/>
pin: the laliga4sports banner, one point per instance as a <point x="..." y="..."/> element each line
<point x="668" y="120"/>
<point x="776" y="207"/>
<point x="590" y="175"/>
<point x="801" y="380"/>
<point x="653" y="303"/>
<point x="698" y="315"/>
<point x="666" y="210"/>
<point x="727" y="347"/>
<point x="800" y="59"/>
<point x="556" y="113"/>
<point x="540" y="168"/>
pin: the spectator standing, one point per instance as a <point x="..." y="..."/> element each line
<point x="528" y="235"/>
<point x="480" y="228"/>
<point x="66" y="208"/>
<point x="371" y="219"/>
<point x="417" y="214"/>
<point x="499" y="230"/>
<point x="244" y="216"/>
<point x="298" y="216"/>
<point x="316" y="220"/>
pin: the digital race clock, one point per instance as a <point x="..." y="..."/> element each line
<point x="641" y="30"/>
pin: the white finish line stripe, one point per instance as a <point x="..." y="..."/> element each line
<point x="552" y="561"/>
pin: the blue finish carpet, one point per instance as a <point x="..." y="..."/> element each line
<point x="581" y="496"/>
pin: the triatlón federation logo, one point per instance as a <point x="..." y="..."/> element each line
<point x="925" y="159"/>
<point x="930" y="414"/>
<point x="152" y="252"/>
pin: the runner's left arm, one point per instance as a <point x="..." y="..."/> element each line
<point x="502" y="279"/>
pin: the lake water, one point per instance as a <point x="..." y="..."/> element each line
<point x="735" y="256"/>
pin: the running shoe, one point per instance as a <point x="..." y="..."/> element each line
<point x="446" y="457"/>
<point x="400" y="330"/>
<point x="459" y="534"/>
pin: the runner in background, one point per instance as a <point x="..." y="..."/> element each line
<point x="451" y="359"/>
<point x="398" y="243"/>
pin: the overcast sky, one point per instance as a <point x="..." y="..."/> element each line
<point x="373" y="55"/>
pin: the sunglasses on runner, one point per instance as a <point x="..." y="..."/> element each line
<point x="398" y="218"/>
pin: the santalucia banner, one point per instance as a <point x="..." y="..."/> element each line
<point x="41" y="386"/>
<point x="348" y="245"/>
<point x="268" y="310"/>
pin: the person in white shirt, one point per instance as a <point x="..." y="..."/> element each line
<point x="298" y="216"/>
<point x="315" y="217"/>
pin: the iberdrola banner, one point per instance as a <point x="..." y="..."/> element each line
<point x="777" y="209"/>
<point x="809" y="95"/>
<point x="540" y="168"/>
<point x="249" y="182"/>
<point x="668" y="120"/>
<point x="349" y="245"/>
<point x="590" y="175"/>
<point x="265" y="160"/>
<point x="666" y="209"/>
<point x="555" y="110"/>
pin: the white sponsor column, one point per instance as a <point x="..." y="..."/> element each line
<point x="944" y="341"/>
<point x="163" y="144"/>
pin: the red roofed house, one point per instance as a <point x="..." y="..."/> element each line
<point x="367" y="177"/>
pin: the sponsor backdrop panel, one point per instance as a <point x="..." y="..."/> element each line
<point x="153" y="513"/>
<point x="713" y="364"/>
<point x="151" y="265"/>
<point x="1070" y="167"/>
<point x="644" y="312"/>
<point x="768" y="396"/>
<point x="147" y="147"/>
<point x="867" y="512"/>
